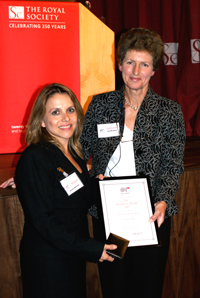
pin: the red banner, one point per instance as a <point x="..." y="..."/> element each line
<point x="39" y="45"/>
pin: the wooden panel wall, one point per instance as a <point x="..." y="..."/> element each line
<point x="183" y="267"/>
<point x="11" y="227"/>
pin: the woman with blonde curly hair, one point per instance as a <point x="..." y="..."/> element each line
<point x="53" y="186"/>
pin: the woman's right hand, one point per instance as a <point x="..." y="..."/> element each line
<point x="105" y="256"/>
<point x="9" y="182"/>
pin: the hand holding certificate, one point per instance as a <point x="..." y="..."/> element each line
<point x="127" y="207"/>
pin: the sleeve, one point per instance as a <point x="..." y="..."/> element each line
<point x="172" y="159"/>
<point x="34" y="177"/>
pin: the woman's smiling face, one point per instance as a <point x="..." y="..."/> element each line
<point x="60" y="117"/>
<point x="137" y="69"/>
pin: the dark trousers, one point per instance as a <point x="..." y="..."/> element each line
<point x="46" y="277"/>
<point x="140" y="274"/>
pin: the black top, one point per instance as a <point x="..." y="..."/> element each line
<point x="55" y="223"/>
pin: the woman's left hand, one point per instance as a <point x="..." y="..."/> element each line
<point x="159" y="214"/>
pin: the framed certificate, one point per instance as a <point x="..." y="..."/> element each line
<point x="127" y="207"/>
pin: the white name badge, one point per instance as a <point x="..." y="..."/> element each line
<point x="71" y="184"/>
<point x="108" y="130"/>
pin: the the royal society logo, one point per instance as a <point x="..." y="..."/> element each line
<point x="38" y="17"/>
<point x="195" y="50"/>
<point x="16" y="12"/>
<point x="171" y="53"/>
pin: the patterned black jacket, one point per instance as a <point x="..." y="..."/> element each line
<point x="158" y="140"/>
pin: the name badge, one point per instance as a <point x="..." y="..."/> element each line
<point x="71" y="183"/>
<point x="108" y="130"/>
